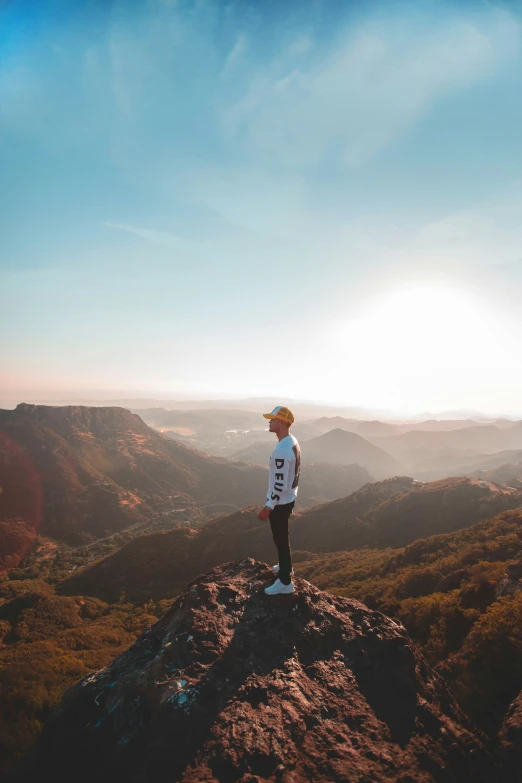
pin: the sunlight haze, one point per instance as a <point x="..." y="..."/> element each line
<point x="315" y="201"/>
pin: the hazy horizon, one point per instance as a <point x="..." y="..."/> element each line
<point x="319" y="201"/>
<point x="113" y="396"/>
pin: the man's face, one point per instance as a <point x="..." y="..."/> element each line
<point x="275" y="425"/>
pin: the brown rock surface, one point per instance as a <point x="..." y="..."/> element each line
<point x="510" y="736"/>
<point x="233" y="685"/>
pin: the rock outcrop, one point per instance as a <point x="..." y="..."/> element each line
<point x="511" y="582"/>
<point x="233" y="685"/>
<point x="510" y="737"/>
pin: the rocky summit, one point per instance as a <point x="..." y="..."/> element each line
<point x="234" y="685"/>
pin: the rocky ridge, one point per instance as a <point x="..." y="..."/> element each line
<point x="231" y="685"/>
<point x="393" y="512"/>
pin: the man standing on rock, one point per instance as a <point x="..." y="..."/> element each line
<point x="283" y="478"/>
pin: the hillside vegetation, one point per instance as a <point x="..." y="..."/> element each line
<point x="49" y="642"/>
<point x="444" y="590"/>
<point x="391" y="512"/>
<point x="396" y="511"/>
<point x="448" y="589"/>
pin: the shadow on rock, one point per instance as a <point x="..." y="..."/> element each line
<point x="234" y="685"/>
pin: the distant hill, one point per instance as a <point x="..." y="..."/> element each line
<point x="505" y="423"/>
<point x="397" y="511"/>
<point x="412" y="446"/>
<point x="71" y="495"/>
<point x="320" y="483"/>
<point x="446" y="462"/>
<point x="386" y="513"/>
<point x="219" y="432"/>
<point x="221" y="418"/>
<point x="202" y="428"/>
<point x="342" y="448"/>
<point x="76" y="474"/>
<point x="328" y="423"/>
<point x="100" y="470"/>
<point x="463" y="413"/>
<point x="508" y="474"/>
<point x="434" y="425"/>
<point x="376" y="429"/>
<point x="384" y="429"/>
<point x="258" y="453"/>
<point x="337" y="447"/>
<point x="372" y="428"/>
<point x="465" y="463"/>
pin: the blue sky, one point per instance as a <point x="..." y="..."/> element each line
<point x="314" y="199"/>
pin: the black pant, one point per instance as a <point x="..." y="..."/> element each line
<point x="279" y="519"/>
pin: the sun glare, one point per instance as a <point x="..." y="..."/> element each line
<point x="440" y="326"/>
<point x="421" y="343"/>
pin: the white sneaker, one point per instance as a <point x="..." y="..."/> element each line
<point x="275" y="569"/>
<point x="279" y="588"/>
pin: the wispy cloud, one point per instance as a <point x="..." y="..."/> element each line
<point x="235" y="57"/>
<point x="162" y="238"/>
<point x="378" y="80"/>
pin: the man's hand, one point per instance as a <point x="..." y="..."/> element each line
<point x="263" y="514"/>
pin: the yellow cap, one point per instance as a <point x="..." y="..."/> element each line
<point x="280" y="412"/>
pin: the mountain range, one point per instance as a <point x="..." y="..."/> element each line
<point x="388" y="513"/>
<point x="77" y="474"/>
<point x="337" y="446"/>
<point x="441" y="559"/>
<point x="428" y="450"/>
<point x="487" y="439"/>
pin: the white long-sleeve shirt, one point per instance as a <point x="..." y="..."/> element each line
<point x="283" y="476"/>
